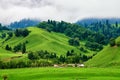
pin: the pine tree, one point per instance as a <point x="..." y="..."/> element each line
<point x="8" y="48"/>
<point x="23" y="48"/>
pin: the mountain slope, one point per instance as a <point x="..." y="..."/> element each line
<point x="40" y="39"/>
<point x="108" y="57"/>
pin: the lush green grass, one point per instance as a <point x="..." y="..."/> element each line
<point x="61" y="74"/>
<point x="8" y="55"/>
<point x="108" y="57"/>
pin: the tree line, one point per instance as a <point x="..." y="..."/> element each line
<point x="3" y="27"/>
<point x="24" y="63"/>
<point x="45" y="58"/>
<point x="69" y="57"/>
<point x="21" y="47"/>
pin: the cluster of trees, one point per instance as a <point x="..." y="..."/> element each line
<point x="44" y="58"/>
<point x="7" y="47"/>
<point x="76" y="32"/>
<point x="71" y="30"/>
<point x="9" y="36"/>
<point x="70" y="57"/>
<point x="41" y="55"/>
<point x="21" y="32"/>
<point x="3" y="35"/>
<point x="83" y="50"/>
<point x="74" y="42"/>
<point x="6" y="37"/>
<point x="93" y="46"/>
<point x="114" y="43"/>
<point x="21" y="47"/>
<point x="24" y="63"/>
<point x="17" y="32"/>
<point x="107" y="29"/>
<point x="3" y="27"/>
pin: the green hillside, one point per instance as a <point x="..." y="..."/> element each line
<point x="40" y="39"/>
<point x="6" y="54"/>
<point x="108" y="57"/>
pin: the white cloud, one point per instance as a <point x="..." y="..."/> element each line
<point x="68" y="10"/>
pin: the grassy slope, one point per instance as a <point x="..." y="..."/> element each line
<point x="40" y="39"/>
<point x="6" y="54"/>
<point x="3" y="53"/>
<point x="108" y="57"/>
<point x="61" y="74"/>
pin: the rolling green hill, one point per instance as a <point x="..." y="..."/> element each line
<point x="40" y="39"/>
<point x="108" y="57"/>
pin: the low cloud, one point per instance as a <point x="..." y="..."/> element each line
<point x="68" y="10"/>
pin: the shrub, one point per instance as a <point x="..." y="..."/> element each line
<point x="112" y="42"/>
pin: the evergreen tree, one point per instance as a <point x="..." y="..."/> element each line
<point x="8" y="48"/>
<point x="74" y="42"/>
<point x="62" y="59"/>
<point x="68" y="53"/>
<point x="23" y="48"/>
<point x="116" y="24"/>
<point x="112" y="42"/>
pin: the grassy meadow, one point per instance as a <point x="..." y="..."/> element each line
<point x="49" y="73"/>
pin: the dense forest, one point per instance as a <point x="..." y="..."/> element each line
<point x="106" y="28"/>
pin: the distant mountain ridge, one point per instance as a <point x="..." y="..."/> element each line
<point x="88" y="21"/>
<point x="3" y="27"/>
<point x="23" y="23"/>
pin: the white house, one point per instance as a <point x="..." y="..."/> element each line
<point x="80" y="65"/>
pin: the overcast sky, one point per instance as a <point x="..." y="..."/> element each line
<point x="67" y="10"/>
